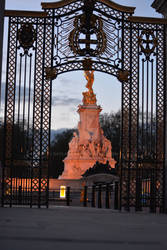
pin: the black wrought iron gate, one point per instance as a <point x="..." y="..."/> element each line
<point x="82" y="35"/>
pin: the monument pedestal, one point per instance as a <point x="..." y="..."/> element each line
<point x="88" y="146"/>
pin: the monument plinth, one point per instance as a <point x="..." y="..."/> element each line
<point x="89" y="144"/>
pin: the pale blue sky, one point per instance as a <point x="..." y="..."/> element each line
<point x="68" y="88"/>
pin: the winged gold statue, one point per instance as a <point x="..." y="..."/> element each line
<point x="89" y="75"/>
<point x="89" y="96"/>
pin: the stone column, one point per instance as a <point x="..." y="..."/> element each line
<point x="2" y="8"/>
<point x="161" y="7"/>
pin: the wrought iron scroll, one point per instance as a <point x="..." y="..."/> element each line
<point x="69" y="52"/>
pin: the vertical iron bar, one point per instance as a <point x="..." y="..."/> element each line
<point x="19" y="94"/>
<point x="33" y="132"/>
<point x="50" y="110"/>
<point x="13" y="125"/>
<point x="152" y="89"/>
<point x="142" y="135"/>
<point x="122" y="106"/>
<point x="5" y="118"/>
<point x="147" y="100"/>
<point x="130" y="126"/>
<point x="164" y="170"/>
<point x="2" y="9"/>
<point x="138" y="132"/>
<point x="24" y="95"/>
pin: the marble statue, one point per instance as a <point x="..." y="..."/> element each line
<point x="89" y="144"/>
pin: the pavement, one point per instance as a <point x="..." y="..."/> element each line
<point x="77" y="228"/>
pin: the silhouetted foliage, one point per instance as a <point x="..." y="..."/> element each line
<point x="21" y="148"/>
<point x="111" y="125"/>
<point x="58" y="152"/>
<point x="100" y="168"/>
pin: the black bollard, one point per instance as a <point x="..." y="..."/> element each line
<point x="153" y="193"/>
<point x="85" y="196"/>
<point x="116" y="195"/>
<point x="93" y="196"/>
<point x="20" y="195"/>
<point x="138" y="205"/>
<point x="68" y="196"/>
<point x="107" y="196"/>
<point x="99" y="197"/>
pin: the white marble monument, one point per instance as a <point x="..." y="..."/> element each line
<point x="89" y="144"/>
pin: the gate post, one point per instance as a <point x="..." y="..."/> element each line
<point x="161" y="7"/>
<point x="2" y="9"/>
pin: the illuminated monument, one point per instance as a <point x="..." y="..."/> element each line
<point x="90" y="144"/>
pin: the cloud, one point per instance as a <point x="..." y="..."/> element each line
<point x="58" y="100"/>
<point x="3" y="87"/>
<point x="64" y="101"/>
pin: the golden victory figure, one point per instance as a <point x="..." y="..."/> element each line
<point x="89" y="97"/>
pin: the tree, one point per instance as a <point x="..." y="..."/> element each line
<point x="58" y="151"/>
<point x="21" y="147"/>
<point x="111" y="125"/>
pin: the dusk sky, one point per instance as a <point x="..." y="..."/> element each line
<point x="68" y="87"/>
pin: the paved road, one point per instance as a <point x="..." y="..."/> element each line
<point x="77" y="228"/>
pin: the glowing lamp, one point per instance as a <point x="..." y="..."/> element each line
<point x="63" y="192"/>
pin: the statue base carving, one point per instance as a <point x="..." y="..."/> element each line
<point x="88" y="146"/>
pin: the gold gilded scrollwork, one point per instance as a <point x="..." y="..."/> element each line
<point x="87" y="64"/>
<point x="123" y="75"/>
<point x="76" y="43"/>
<point x="51" y="73"/>
<point x="26" y="37"/>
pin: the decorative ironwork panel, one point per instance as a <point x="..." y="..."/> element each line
<point x="146" y="111"/>
<point x="89" y="39"/>
<point x="37" y="116"/>
<point x="161" y="88"/>
<point x="27" y="112"/>
<point x="9" y="110"/>
<point x="46" y="111"/>
<point x="83" y="35"/>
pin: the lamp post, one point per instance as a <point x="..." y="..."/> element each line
<point x="2" y="9"/>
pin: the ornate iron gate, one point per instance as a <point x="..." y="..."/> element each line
<point x="82" y="35"/>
